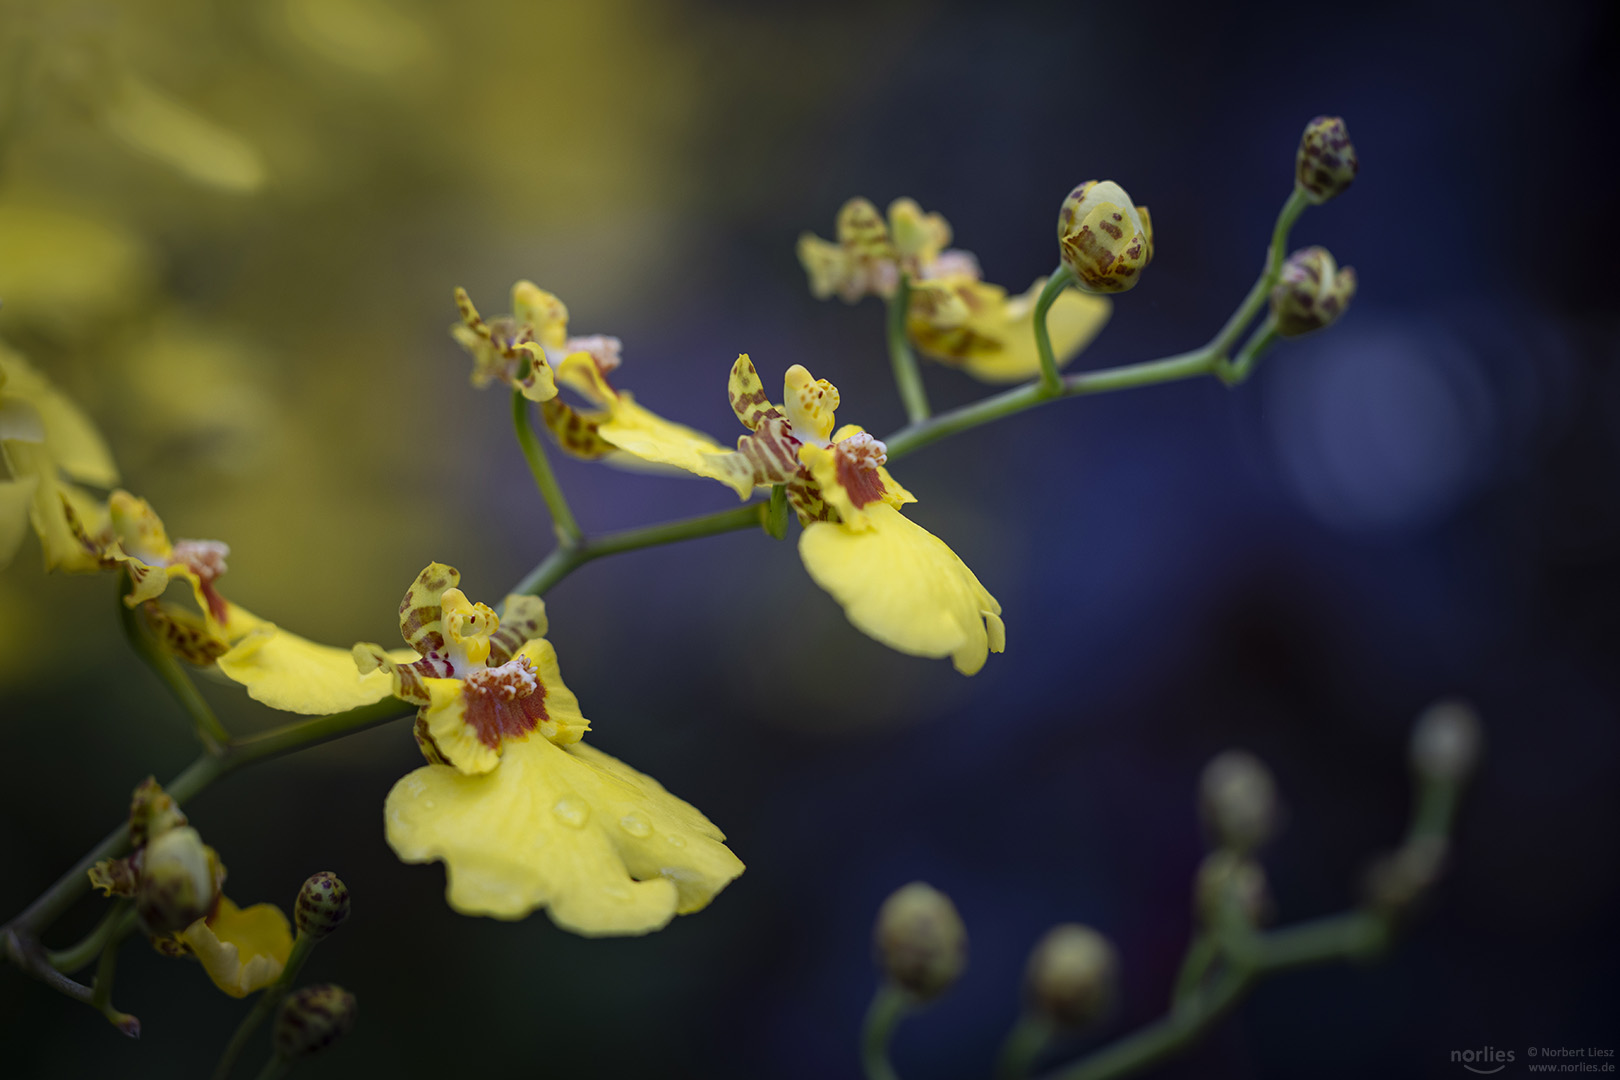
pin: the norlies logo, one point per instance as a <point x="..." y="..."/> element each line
<point x="1484" y="1061"/>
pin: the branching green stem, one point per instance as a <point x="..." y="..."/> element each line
<point x="1221" y="344"/>
<point x="904" y="361"/>
<point x="303" y="945"/>
<point x="114" y="925"/>
<point x="889" y="1006"/>
<point x="534" y="452"/>
<point x="1050" y="383"/>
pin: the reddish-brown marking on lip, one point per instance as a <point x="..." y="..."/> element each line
<point x="857" y="474"/>
<point x="498" y="708"/>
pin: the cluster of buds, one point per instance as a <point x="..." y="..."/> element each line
<point x="173" y="877"/>
<point x="1238" y="804"/>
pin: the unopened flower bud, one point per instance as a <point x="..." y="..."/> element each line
<point x="1326" y="163"/>
<point x="921" y="942"/>
<point x="1072" y="975"/>
<point x="152" y="812"/>
<point x="1226" y="877"/>
<point x="1311" y="293"/>
<point x="1446" y="742"/>
<point x="178" y="883"/>
<point x="311" y="1019"/>
<point x="1398" y="880"/>
<point x="1103" y="238"/>
<point x="323" y="904"/>
<point x="1238" y="800"/>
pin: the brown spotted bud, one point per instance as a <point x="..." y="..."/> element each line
<point x="1446" y="743"/>
<point x="1238" y="801"/>
<point x="1103" y="238"/>
<point x="1311" y="293"/>
<point x="1072" y="976"/>
<point x="921" y="942"/>
<point x="179" y="881"/>
<point x="1227" y="880"/>
<point x="311" y="1019"/>
<point x="1326" y="163"/>
<point x="323" y="904"/>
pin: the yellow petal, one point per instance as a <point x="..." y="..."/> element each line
<point x="644" y="434"/>
<point x="996" y="343"/>
<point x="70" y="439"/>
<point x="165" y="128"/>
<point x="242" y="949"/>
<point x="604" y="848"/>
<point x="294" y="674"/>
<point x="902" y="585"/>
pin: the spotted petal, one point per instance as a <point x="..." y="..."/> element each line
<point x="902" y="585"/>
<point x="603" y="847"/>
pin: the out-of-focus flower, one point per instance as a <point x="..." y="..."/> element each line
<point x="166" y="129"/>
<point x="1311" y="293"/>
<point x="1103" y="238"/>
<point x="523" y="814"/>
<point x="919" y="939"/>
<point x="1326" y="163"/>
<point x="175" y="881"/>
<point x="50" y="448"/>
<point x="896" y="581"/>
<point x="312" y="1019"/>
<point x="953" y="315"/>
<point x="538" y="334"/>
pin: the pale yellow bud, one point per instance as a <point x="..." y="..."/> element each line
<point x="1103" y="238"/>
<point x="1311" y="293"/>
<point x="1072" y="975"/>
<point x="1238" y="800"/>
<point x="1227" y="878"/>
<point x="178" y="883"/>
<point x="1326" y="163"/>
<point x="921" y="942"/>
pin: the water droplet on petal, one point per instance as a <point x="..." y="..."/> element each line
<point x="676" y="841"/>
<point x="428" y="804"/>
<point x="636" y="825"/>
<point x="571" y="811"/>
<point x="617" y="892"/>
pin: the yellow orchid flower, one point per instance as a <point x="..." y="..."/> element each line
<point x="953" y="315"/>
<point x="521" y="812"/>
<point x="50" y="448"/>
<point x="896" y="581"/>
<point x="276" y="667"/>
<point x="175" y="881"/>
<point x="538" y="333"/>
<point x="995" y="341"/>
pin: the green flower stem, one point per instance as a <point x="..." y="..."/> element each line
<point x="303" y="945"/>
<point x="568" y="531"/>
<point x="888" y="1008"/>
<point x="1353" y="935"/>
<point x="166" y="666"/>
<point x="1164" y="1038"/>
<point x="1222" y="343"/>
<point x="906" y="376"/>
<point x="114" y="925"/>
<point x="1051" y="384"/>
<point x="1200" y="954"/>
<point x="1024" y="1044"/>
<point x="565" y="560"/>
<point x="1010" y="402"/>
<point x="1236" y="371"/>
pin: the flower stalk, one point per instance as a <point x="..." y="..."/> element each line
<point x="907" y="377"/>
<point x="562" y="516"/>
<point x="889" y="1006"/>
<point x="1051" y="384"/>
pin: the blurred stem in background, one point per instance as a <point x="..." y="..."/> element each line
<point x="562" y="516"/>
